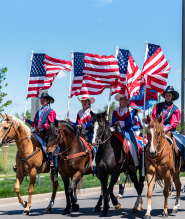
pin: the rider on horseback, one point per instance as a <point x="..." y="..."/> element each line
<point x="170" y="116"/>
<point x="123" y="118"/>
<point x="41" y="122"/>
<point x="84" y="120"/>
<point x="137" y="123"/>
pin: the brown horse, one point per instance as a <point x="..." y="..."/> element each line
<point x="74" y="159"/>
<point x="160" y="161"/>
<point x="29" y="151"/>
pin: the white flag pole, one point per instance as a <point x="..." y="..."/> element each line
<point x="111" y="88"/>
<point x="143" y="153"/>
<point x="27" y="84"/>
<point x="69" y="91"/>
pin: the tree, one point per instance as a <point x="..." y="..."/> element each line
<point x="3" y="94"/>
<point x="111" y="109"/>
<point x="28" y="115"/>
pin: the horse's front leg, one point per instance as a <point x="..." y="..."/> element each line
<point x="167" y="179"/>
<point x="55" y="187"/>
<point x="97" y="208"/>
<point x="19" y="179"/>
<point x="103" y="179"/>
<point x="150" y="181"/>
<point x="114" y="179"/>
<point x="33" y="176"/>
<point x="75" y="180"/>
<point x="177" y="182"/>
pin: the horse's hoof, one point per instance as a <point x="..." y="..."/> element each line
<point x="139" y="208"/>
<point x="97" y="209"/>
<point x="48" y="209"/>
<point x="119" y="196"/>
<point x="75" y="207"/>
<point x="103" y="214"/>
<point x="147" y="217"/>
<point x="164" y="215"/>
<point x="134" y="210"/>
<point x="65" y="212"/>
<point x="26" y="212"/>
<point x="174" y="211"/>
<point x="24" y="204"/>
<point x="118" y="207"/>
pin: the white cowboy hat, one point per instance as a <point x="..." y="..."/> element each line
<point x="87" y="97"/>
<point x="118" y="96"/>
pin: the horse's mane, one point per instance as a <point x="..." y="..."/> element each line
<point x="19" y="123"/>
<point x="158" y="124"/>
<point x="72" y="127"/>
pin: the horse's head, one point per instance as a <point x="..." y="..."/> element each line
<point x="7" y="130"/>
<point x="154" y="134"/>
<point x="54" y="136"/>
<point x="98" y="127"/>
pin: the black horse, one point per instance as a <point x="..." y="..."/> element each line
<point x="110" y="159"/>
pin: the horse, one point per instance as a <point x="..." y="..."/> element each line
<point x="30" y="158"/>
<point x="110" y="159"/>
<point x="160" y="161"/>
<point x="74" y="159"/>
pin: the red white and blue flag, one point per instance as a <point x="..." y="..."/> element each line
<point x="93" y="73"/>
<point x="156" y="68"/>
<point x="43" y="71"/>
<point x="138" y="101"/>
<point x="130" y="75"/>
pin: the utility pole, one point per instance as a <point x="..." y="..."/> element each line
<point x="183" y="66"/>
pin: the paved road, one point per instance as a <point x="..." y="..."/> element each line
<point x="87" y="204"/>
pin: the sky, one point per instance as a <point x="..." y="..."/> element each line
<point x="92" y="26"/>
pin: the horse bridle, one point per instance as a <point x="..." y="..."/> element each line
<point x="6" y="142"/>
<point x="103" y="142"/>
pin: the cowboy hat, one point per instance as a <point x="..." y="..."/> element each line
<point x="87" y="97"/>
<point x="46" y="96"/>
<point x="170" y="89"/>
<point x="118" y="96"/>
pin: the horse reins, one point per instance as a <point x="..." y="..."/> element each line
<point x="11" y="140"/>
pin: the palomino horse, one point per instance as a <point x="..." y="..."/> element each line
<point x="29" y="159"/>
<point x="109" y="161"/>
<point x="75" y="158"/>
<point x="160" y="161"/>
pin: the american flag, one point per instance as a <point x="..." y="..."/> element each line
<point x="93" y="73"/>
<point x="44" y="69"/>
<point x="156" y="68"/>
<point x="130" y="75"/>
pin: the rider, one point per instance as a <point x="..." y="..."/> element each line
<point x="123" y="118"/>
<point x="84" y="120"/>
<point x="137" y="122"/>
<point x="170" y="116"/>
<point x="41" y="122"/>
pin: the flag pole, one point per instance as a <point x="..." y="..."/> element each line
<point x="69" y="91"/>
<point x="27" y="83"/>
<point x="111" y="88"/>
<point x="143" y="153"/>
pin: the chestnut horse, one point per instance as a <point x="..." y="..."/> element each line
<point x="160" y="161"/>
<point x="28" y="150"/>
<point x="74" y="158"/>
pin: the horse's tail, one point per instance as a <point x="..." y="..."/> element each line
<point x="159" y="181"/>
<point x="80" y="185"/>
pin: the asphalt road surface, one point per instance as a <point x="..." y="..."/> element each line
<point x="88" y="202"/>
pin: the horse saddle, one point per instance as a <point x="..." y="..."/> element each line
<point x="172" y="140"/>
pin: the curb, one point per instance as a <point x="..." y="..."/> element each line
<point x="61" y="195"/>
